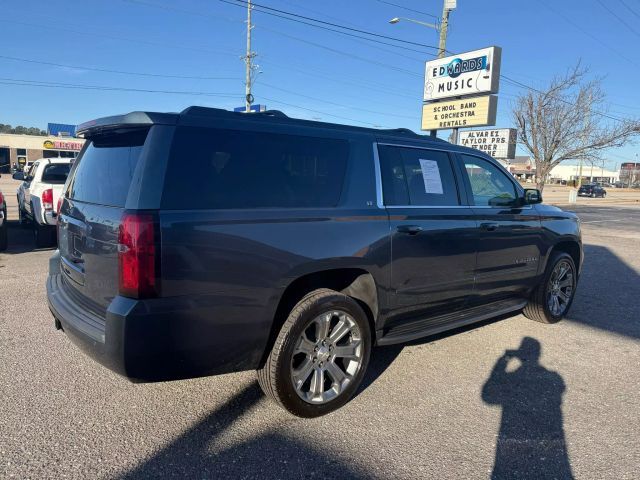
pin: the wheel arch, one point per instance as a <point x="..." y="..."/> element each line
<point x="573" y="248"/>
<point x="354" y="282"/>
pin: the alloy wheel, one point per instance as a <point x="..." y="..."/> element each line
<point x="327" y="356"/>
<point x="560" y="288"/>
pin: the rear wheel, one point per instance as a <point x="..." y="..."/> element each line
<point x="604" y="194"/>
<point x="551" y="300"/>
<point x="22" y="219"/>
<point x="320" y="355"/>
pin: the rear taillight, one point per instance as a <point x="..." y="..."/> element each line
<point x="47" y="199"/>
<point x="1" y="199"/>
<point x="59" y="205"/>
<point x="137" y="256"/>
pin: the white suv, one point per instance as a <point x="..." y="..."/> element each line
<point x="38" y="196"/>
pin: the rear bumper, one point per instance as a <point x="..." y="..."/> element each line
<point x="158" y="339"/>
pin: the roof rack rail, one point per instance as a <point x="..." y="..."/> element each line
<point x="274" y="113"/>
<point x="404" y="131"/>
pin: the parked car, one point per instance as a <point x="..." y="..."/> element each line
<point x="592" y="190"/>
<point x="277" y="255"/>
<point x="39" y="193"/>
<point x="3" y="223"/>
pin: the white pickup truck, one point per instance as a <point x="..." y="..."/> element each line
<point x="38" y="196"/>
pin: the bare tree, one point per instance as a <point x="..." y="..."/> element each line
<point x="567" y="121"/>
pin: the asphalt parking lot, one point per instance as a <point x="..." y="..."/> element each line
<point x="432" y="409"/>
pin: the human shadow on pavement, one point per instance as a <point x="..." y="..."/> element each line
<point x="531" y="442"/>
<point x="607" y="294"/>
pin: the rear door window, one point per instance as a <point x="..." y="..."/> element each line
<point x="56" y="173"/>
<point x="417" y="177"/>
<point x="104" y="172"/>
<point x="229" y="169"/>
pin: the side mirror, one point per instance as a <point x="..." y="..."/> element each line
<point x="18" y="176"/>
<point x="532" y="196"/>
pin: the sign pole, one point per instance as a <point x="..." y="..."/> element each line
<point x="442" y="45"/>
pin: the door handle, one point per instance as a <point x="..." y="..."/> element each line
<point x="490" y="227"/>
<point x="410" y="229"/>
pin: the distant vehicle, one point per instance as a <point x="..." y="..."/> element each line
<point x="38" y="195"/>
<point x="619" y="185"/>
<point x="276" y="255"/>
<point x="592" y="191"/>
<point x="3" y="223"/>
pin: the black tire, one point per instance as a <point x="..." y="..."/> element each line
<point x="538" y="307"/>
<point x="43" y="235"/>
<point x="22" y="218"/>
<point x="604" y="195"/>
<point x="275" y="377"/>
<point x="593" y="195"/>
<point x="3" y="236"/>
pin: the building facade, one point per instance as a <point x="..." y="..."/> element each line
<point x="20" y="149"/>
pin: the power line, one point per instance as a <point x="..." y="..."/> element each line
<point x="120" y="72"/>
<point x="629" y="8"/>
<point x="408" y="9"/>
<point x="298" y="39"/>
<point x="120" y="38"/>
<point x="274" y="100"/>
<point x="587" y="33"/>
<point x="38" y="83"/>
<point x="567" y="102"/>
<point x="619" y="18"/>
<point x="297" y="16"/>
<point x="336" y="103"/>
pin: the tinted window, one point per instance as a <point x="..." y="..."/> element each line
<point x="412" y="176"/>
<point x="105" y="170"/>
<point x="490" y="185"/>
<point x="212" y="168"/>
<point x="56" y="173"/>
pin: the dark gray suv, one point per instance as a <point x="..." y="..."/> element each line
<point x="208" y="242"/>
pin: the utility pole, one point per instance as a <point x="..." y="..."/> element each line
<point x="248" y="59"/>
<point x="447" y="6"/>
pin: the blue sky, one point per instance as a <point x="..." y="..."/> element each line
<point x="305" y="71"/>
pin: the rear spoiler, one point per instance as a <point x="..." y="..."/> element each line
<point x="133" y="119"/>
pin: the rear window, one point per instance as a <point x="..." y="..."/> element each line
<point x="106" y="167"/>
<point x="56" y="173"/>
<point x="211" y="168"/>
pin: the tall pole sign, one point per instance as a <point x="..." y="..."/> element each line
<point x="469" y="77"/>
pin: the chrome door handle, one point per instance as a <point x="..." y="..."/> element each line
<point x="410" y="229"/>
<point x="490" y="227"/>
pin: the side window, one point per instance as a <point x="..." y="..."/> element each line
<point x="413" y="176"/>
<point x="32" y="171"/>
<point x="242" y="169"/>
<point x="490" y="185"/>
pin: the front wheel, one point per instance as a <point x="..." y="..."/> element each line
<point x="320" y="355"/>
<point x="551" y="300"/>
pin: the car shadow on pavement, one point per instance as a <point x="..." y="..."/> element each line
<point x="531" y="442"/>
<point x="269" y="455"/>
<point x="21" y="239"/>
<point x="608" y="294"/>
